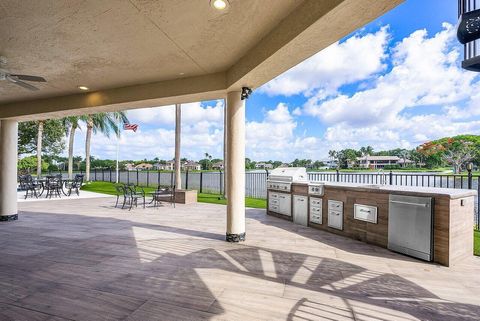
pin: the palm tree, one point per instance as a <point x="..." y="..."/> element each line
<point x="366" y="151"/>
<point x="208" y="157"/>
<point x="71" y="124"/>
<point x="39" y="147"/>
<point x="104" y="123"/>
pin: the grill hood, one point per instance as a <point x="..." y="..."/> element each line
<point x="289" y="175"/>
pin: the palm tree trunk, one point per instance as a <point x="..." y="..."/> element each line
<point x="39" y="147"/>
<point x="87" y="149"/>
<point x="178" y="122"/>
<point x="70" y="150"/>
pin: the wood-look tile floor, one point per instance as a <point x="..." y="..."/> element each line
<point x="85" y="260"/>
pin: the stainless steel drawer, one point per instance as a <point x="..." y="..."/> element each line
<point x="317" y="219"/>
<point x="273" y="195"/>
<point x="365" y="213"/>
<point x="315" y="201"/>
<point x="273" y="208"/>
<point x="335" y="205"/>
<point x="335" y="220"/>
<point x="274" y="201"/>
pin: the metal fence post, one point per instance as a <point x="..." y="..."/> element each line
<point x="338" y="176"/>
<point x="128" y="177"/>
<point x="137" y="177"/>
<point x="148" y="177"/>
<point x="201" y="181"/>
<point x="158" y="178"/>
<point x="103" y="174"/>
<point x="186" y="179"/>
<point x="95" y="171"/>
<point x="470" y="176"/>
<point x="391" y="178"/>
<point x="220" y="181"/>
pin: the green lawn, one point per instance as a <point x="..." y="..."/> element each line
<point x="216" y="199"/>
<point x="109" y="188"/>
<point x="476" y="243"/>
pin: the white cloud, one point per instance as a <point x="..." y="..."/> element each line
<point x="202" y="131"/>
<point x="425" y="72"/>
<point x="165" y="115"/>
<point x="274" y="138"/>
<point x="357" y="58"/>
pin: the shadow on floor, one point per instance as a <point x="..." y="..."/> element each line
<point x="93" y="268"/>
<point x="338" y="241"/>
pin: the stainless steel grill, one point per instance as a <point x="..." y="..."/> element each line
<point x="281" y="179"/>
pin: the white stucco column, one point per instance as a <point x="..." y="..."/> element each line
<point x="178" y="132"/>
<point x="8" y="170"/>
<point x="225" y="154"/>
<point x="235" y="167"/>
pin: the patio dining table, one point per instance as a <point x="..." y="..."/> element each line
<point x="158" y="193"/>
<point x="43" y="182"/>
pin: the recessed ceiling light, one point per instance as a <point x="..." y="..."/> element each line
<point x="182" y="73"/>
<point x="219" y="4"/>
<point x="83" y="87"/>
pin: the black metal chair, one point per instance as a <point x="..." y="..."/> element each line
<point x="121" y="191"/>
<point x="22" y="179"/>
<point x="53" y="186"/>
<point x="164" y="194"/>
<point x="134" y="193"/>
<point x="75" y="185"/>
<point x="32" y="188"/>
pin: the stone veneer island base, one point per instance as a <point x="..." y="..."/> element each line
<point x="453" y="215"/>
<point x="183" y="196"/>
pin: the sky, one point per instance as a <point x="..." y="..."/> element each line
<point x="395" y="83"/>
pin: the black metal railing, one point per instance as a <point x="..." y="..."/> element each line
<point x="471" y="49"/>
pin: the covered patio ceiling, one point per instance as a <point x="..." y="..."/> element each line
<point x="138" y="53"/>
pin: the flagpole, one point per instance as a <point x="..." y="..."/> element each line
<point x="118" y="147"/>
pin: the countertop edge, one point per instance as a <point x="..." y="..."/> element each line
<point x="398" y="189"/>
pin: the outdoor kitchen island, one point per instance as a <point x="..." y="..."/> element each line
<point x="433" y="224"/>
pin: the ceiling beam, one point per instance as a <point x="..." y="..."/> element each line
<point x="160" y="93"/>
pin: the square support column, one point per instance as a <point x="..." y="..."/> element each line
<point x="8" y="170"/>
<point x="235" y="167"/>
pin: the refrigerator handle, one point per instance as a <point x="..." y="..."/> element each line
<point x="409" y="203"/>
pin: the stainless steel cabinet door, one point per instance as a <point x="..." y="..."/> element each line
<point x="300" y="210"/>
<point x="335" y="219"/>
<point x="285" y="205"/>
<point x="410" y="226"/>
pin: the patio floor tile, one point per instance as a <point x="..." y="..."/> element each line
<point x="83" y="259"/>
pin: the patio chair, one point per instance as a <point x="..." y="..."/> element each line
<point x="121" y="191"/>
<point x="134" y="193"/>
<point x="75" y="185"/>
<point x="22" y="179"/>
<point x="164" y="193"/>
<point x="32" y="188"/>
<point x="53" y="186"/>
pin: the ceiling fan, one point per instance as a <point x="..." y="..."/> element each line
<point x="18" y="79"/>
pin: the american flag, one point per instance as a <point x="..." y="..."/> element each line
<point x="128" y="126"/>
